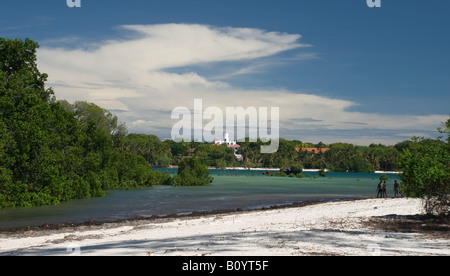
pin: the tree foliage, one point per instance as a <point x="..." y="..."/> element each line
<point x="426" y="172"/>
<point x="54" y="151"/>
<point x="191" y="172"/>
<point x="150" y="147"/>
<point x="215" y="156"/>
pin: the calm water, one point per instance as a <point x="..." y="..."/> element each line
<point x="230" y="190"/>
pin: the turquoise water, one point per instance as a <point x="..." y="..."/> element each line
<point x="230" y="190"/>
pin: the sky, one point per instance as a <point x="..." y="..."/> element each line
<point x="338" y="70"/>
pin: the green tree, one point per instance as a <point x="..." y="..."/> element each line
<point x="53" y="151"/>
<point x="191" y="172"/>
<point x="91" y="113"/>
<point x="179" y="149"/>
<point x="403" y="145"/>
<point x="344" y="157"/>
<point x="150" y="147"/>
<point x="213" y="155"/>
<point x="40" y="134"/>
<point x="425" y="174"/>
<point x="322" y="173"/>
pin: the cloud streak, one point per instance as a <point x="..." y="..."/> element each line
<point x="134" y="77"/>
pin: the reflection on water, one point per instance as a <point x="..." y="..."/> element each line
<point x="230" y="190"/>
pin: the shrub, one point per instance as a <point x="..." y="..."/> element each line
<point x="191" y="172"/>
<point x="426" y="173"/>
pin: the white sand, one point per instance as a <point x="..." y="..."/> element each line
<point x="324" y="229"/>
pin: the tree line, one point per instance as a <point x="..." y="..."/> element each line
<point x="341" y="157"/>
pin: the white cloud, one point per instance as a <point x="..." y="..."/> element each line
<point x="132" y="75"/>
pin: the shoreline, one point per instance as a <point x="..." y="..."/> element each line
<point x="353" y="227"/>
<point x="277" y="169"/>
<point x="193" y="214"/>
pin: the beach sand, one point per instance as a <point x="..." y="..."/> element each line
<point x="359" y="227"/>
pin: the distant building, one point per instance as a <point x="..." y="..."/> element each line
<point x="226" y="140"/>
<point x="231" y="144"/>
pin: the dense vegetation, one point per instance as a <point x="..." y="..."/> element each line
<point x="54" y="151"/>
<point x="426" y="172"/>
<point x="341" y="157"/>
<point x="191" y="172"/>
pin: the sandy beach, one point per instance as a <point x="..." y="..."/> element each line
<point x="360" y="227"/>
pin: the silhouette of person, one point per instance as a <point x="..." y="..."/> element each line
<point x="396" y="188"/>
<point x="380" y="189"/>
<point x="384" y="189"/>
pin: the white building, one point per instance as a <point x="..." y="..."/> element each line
<point x="226" y="140"/>
<point x="231" y="144"/>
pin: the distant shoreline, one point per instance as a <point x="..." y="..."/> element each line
<point x="277" y="169"/>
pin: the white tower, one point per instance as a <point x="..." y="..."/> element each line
<point x="227" y="138"/>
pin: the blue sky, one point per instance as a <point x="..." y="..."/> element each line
<point x="339" y="70"/>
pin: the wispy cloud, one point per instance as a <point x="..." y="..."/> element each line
<point x="137" y="75"/>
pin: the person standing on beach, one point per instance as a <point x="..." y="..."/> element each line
<point x="384" y="189"/>
<point x="396" y="188"/>
<point x="380" y="189"/>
